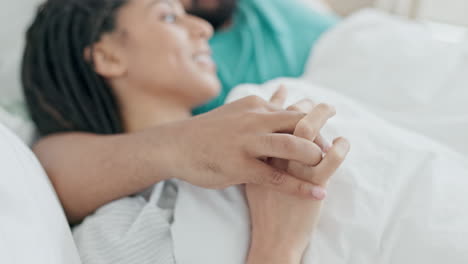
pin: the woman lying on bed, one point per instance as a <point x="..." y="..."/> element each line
<point x="145" y="63"/>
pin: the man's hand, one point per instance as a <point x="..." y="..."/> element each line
<point x="215" y="150"/>
<point x="228" y="146"/>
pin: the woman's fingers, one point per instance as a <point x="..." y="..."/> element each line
<point x="280" y="96"/>
<point x="306" y="106"/>
<point x="323" y="144"/>
<point x="288" y="147"/>
<point x="309" y="127"/>
<point x="283" y="182"/>
<point x="332" y="161"/>
<point x="298" y="147"/>
<point x="321" y="173"/>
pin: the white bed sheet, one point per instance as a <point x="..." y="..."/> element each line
<point x="400" y="197"/>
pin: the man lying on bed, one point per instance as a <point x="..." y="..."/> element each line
<point x="140" y="64"/>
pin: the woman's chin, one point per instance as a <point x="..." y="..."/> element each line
<point x="205" y="91"/>
<point x="212" y="86"/>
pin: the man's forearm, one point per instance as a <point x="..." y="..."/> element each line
<point x="89" y="171"/>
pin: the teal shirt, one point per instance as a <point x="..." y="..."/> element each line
<point x="268" y="39"/>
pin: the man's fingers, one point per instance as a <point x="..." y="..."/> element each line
<point x="279" y="97"/>
<point x="279" y="163"/>
<point x="309" y="127"/>
<point x="254" y="102"/>
<point x="281" y="121"/>
<point x="288" y="147"/>
<point x="283" y="182"/>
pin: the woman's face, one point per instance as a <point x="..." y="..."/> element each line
<point x="160" y="50"/>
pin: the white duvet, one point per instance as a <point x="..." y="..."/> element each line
<point x="401" y="196"/>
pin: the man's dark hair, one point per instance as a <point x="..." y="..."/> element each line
<point x="62" y="89"/>
<point x="217" y="17"/>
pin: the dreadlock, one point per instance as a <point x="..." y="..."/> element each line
<point x="62" y="90"/>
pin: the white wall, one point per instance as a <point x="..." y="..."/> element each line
<point x="450" y="11"/>
<point x="345" y="7"/>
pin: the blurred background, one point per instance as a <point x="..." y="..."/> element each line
<point x="447" y="18"/>
<point x="445" y="11"/>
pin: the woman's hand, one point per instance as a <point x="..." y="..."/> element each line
<point x="281" y="223"/>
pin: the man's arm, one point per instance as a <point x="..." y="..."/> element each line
<point x="215" y="150"/>
<point x="89" y="171"/>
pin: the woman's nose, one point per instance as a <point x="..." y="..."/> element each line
<point x="200" y="28"/>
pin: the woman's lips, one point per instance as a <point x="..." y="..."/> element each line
<point x="205" y="60"/>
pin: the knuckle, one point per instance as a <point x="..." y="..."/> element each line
<point x="305" y="130"/>
<point x="302" y="189"/>
<point x="288" y="144"/>
<point x="299" y="170"/>
<point x="307" y="102"/>
<point x="337" y="156"/>
<point x="302" y="106"/>
<point x="325" y="108"/>
<point x="269" y="141"/>
<point x="293" y="108"/>
<point x="254" y="116"/>
<point x="255" y="101"/>
<point x="278" y="177"/>
<point x="259" y="179"/>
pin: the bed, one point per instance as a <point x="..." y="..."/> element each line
<point x="370" y="58"/>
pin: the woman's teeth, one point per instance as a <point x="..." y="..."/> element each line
<point x="204" y="59"/>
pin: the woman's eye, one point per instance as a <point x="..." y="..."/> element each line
<point x="169" y="18"/>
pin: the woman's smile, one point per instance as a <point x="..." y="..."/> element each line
<point x="205" y="61"/>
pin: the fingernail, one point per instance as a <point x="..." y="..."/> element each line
<point x="318" y="193"/>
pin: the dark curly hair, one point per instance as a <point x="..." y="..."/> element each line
<point x="62" y="89"/>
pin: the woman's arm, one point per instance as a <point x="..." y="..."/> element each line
<point x="89" y="171"/>
<point x="281" y="223"/>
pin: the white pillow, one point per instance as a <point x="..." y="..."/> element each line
<point x="33" y="227"/>
<point x="399" y="70"/>
<point x="15" y="17"/>
<point x="23" y="128"/>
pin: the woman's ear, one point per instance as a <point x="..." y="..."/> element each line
<point x="107" y="58"/>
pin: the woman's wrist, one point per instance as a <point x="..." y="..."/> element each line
<point x="268" y="250"/>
